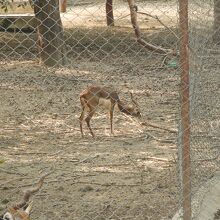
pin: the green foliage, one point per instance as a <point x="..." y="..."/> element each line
<point x="23" y="4"/>
<point x="6" y="4"/>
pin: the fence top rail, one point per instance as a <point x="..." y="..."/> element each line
<point x="16" y="15"/>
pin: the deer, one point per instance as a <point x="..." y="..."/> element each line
<point x="22" y="209"/>
<point x="93" y="96"/>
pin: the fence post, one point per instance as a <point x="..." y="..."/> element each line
<point x="185" y="110"/>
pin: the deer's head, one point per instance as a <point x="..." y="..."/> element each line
<point x="135" y="109"/>
<point x="13" y="213"/>
<point x="22" y="209"/>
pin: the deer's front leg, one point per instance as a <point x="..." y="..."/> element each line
<point x="88" y="118"/>
<point x="81" y="121"/>
<point x="111" y="117"/>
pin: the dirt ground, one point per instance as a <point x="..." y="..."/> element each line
<point x="132" y="175"/>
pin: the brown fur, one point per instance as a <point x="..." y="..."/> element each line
<point x="91" y="97"/>
<point x="18" y="214"/>
<point x="19" y="210"/>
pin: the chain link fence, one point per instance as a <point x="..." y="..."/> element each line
<point x="204" y="89"/>
<point x="205" y="101"/>
<point x="135" y="173"/>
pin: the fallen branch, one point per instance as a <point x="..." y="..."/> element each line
<point x="159" y="127"/>
<point x="208" y="159"/>
<point x="107" y="184"/>
<point x="160" y="140"/>
<point x="86" y="159"/>
<point x="160" y="159"/>
<point x="78" y="182"/>
<point x="28" y="153"/>
<point x="11" y="172"/>
<point x="31" y="184"/>
<point x="133" y="11"/>
<point x="12" y="180"/>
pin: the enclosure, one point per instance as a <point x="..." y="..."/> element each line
<point x="139" y="172"/>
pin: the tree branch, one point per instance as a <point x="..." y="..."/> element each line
<point x="149" y="46"/>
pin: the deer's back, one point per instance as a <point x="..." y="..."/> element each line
<point x="98" y="92"/>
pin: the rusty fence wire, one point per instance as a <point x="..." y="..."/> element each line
<point x="52" y="54"/>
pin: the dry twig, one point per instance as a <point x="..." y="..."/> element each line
<point x="209" y="159"/>
<point x="160" y="140"/>
<point x="159" y="127"/>
<point x="11" y="172"/>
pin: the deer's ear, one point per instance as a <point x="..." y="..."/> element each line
<point x="28" y="209"/>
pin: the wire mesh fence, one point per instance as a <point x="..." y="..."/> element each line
<point x="205" y="102"/>
<point x="127" y="62"/>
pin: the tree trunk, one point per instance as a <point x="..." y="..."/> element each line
<point x="63" y="5"/>
<point x="50" y="32"/>
<point x="109" y="13"/>
<point x="216" y="25"/>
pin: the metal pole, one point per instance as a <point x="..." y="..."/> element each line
<point x="185" y="109"/>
